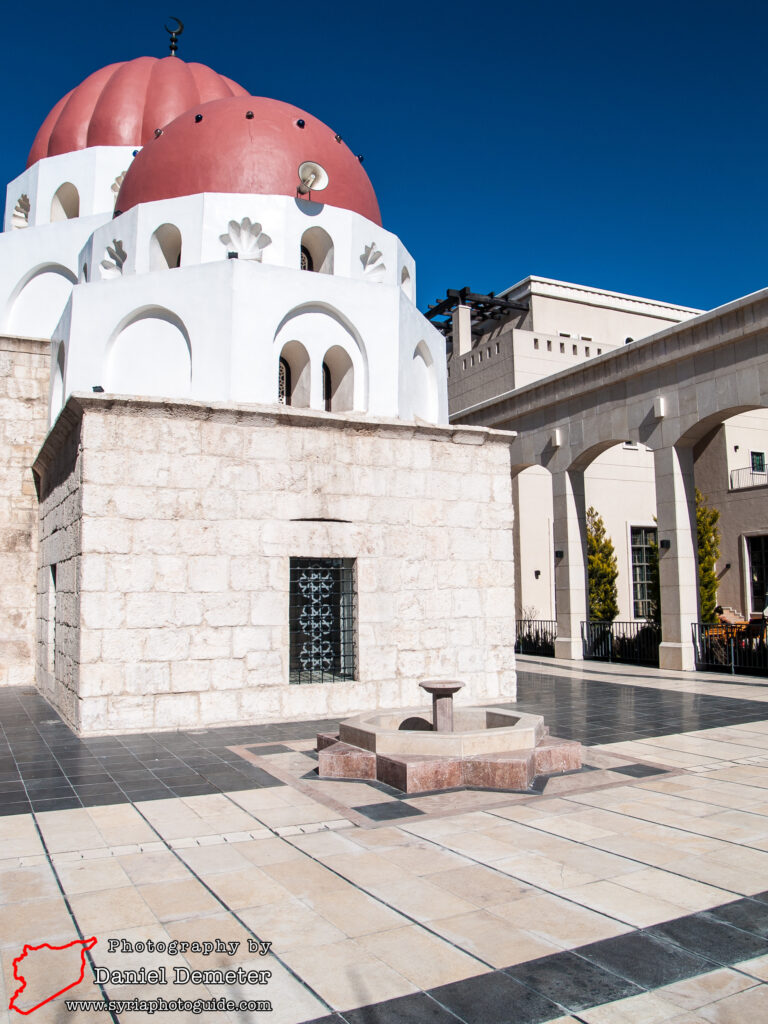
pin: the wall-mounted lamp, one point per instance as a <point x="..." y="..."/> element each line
<point x="559" y="554"/>
<point x="665" y="544"/>
<point x="536" y="573"/>
<point x="232" y="255"/>
<point x="727" y="565"/>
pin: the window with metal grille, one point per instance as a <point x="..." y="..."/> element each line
<point x="757" y="460"/>
<point x="284" y="383"/>
<point x="643" y="542"/>
<point x="757" y="548"/>
<point x="322" y="620"/>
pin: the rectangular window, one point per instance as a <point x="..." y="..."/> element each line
<point x="758" y="461"/>
<point x="643" y="541"/>
<point x="757" y="548"/>
<point x="586" y="351"/>
<point x="549" y="346"/>
<point x="497" y="348"/>
<point x="535" y="342"/>
<point x="322" y="620"/>
<point x="562" y="346"/>
<point x="575" y="350"/>
<point x="599" y="351"/>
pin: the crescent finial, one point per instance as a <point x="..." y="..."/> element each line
<point x="175" y="33"/>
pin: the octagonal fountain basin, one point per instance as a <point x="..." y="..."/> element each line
<point x="475" y="731"/>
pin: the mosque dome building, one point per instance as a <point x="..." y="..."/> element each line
<point x="246" y="420"/>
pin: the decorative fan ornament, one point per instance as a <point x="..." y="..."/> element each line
<point x="115" y="186"/>
<point x="246" y="239"/>
<point x="114" y="258"/>
<point x="20" y="216"/>
<point x="373" y="267"/>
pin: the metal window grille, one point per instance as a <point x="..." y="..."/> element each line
<point x="758" y="571"/>
<point x="307" y="263"/>
<point x="322" y="620"/>
<point x="643" y="539"/>
<point x="757" y="460"/>
<point x="284" y="383"/>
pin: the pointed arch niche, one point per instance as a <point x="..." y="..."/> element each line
<point x="314" y="336"/>
<point x="150" y="355"/>
<point x="294" y="375"/>
<point x="317" y="251"/>
<point x="165" y="248"/>
<point x="424" y="404"/>
<point x="65" y="204"/>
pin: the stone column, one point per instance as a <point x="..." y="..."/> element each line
<point x="678" y="575"/>
<point x="569" y="530"/>
<point x="316" y="399"/>
<point x="461" y="323"/>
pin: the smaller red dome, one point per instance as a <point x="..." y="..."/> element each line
<point x="248" y="145"/>
<point x="122" y="104"/>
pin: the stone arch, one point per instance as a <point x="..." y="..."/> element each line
<point x="65" y="204"/>
<point x="320" y="327"/>
<point x="39" y="299"/>
<point x="341" y="380"/>
<point x="424" y="399"/>
<point x="317" y="250"/>
<point x="406" y="283"/>
<point x="165" y="248"/>
<point x="149" y="353"/>
<point x="297" y="361"/>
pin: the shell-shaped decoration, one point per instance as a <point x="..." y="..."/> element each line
<point x="114" y="258"/>
<point x="115" y="186"/>
<point x="373" y="267"/>
<point x="20" y="215"/>
<point x="246" y="239"/>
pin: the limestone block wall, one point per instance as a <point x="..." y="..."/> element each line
<point x="24" y="378"/>
<point x="175" y="525"/>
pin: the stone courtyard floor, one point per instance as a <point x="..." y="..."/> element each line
<point x="632" y="892"/>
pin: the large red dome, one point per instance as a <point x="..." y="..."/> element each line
<point x="248" y="145"/>
<point x="123" y="104"/>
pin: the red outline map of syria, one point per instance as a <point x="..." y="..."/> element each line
<point x="86" y="944"/>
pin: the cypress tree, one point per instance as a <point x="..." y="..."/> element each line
<point x="708" y="542"/>
<point x="602" y="571"/>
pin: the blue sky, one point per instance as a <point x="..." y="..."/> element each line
<point x="607" y="144"/>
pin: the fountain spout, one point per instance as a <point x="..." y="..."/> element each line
<point x="442" y="691"/>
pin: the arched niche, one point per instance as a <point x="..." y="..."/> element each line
<point x="65" y="204"/>
<point x="294" y="360"/>
<point x="317" y="250"/>
<point x="150" y="355"/>
<point x="406" y="283"/>
<point x="338" y="380"/>
<point x="40" y="300"/>
<point x="320" y="328"/>
<point x="57" y="382"/>
<point x="165" y="248"/>
<point x="424" y="401"/>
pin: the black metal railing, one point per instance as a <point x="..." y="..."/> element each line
<point x="536" y="636"/>
<point x="635" y="643"/>
<point x="722" y="647"/>
<point x="748" y="477"/>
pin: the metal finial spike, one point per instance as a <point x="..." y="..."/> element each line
<point x="175" y="33"/>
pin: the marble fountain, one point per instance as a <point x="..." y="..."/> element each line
<point x="417" y="750"/>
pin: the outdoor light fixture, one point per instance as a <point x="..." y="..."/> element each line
<point x="536" y="573"/>
<point x="559" y="554"/>
<point x="665" y="544"/>
<point x="232" y="256"/>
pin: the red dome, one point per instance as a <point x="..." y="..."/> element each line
<point x="122" y="104"/>
<point x="218" y="147"/>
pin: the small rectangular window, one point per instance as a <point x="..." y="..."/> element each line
<point x="549" y="345"/>
<point x="535" y="342"/>
<point x="758" y="462"/>
<point x="599" y="351"/>
<point x="471" y="360"/>
<point x="479" y="357"/>
<point x="575" y="350"/>
<point x="489" y="352"/>
<point x="563" y="334"/>
<point x="562" y="347"/>
<point x="497" y="348"/>
<point x="585" y="338"/>
<point x="464" y="364"/>
<point x="586" y="351"/>
<point x="322" y="620"/>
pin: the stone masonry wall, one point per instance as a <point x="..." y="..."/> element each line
<point x="24" y="377"/>
<point x="190" y="515"/>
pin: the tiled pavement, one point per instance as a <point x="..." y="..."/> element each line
<point x="632" y="892"/>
